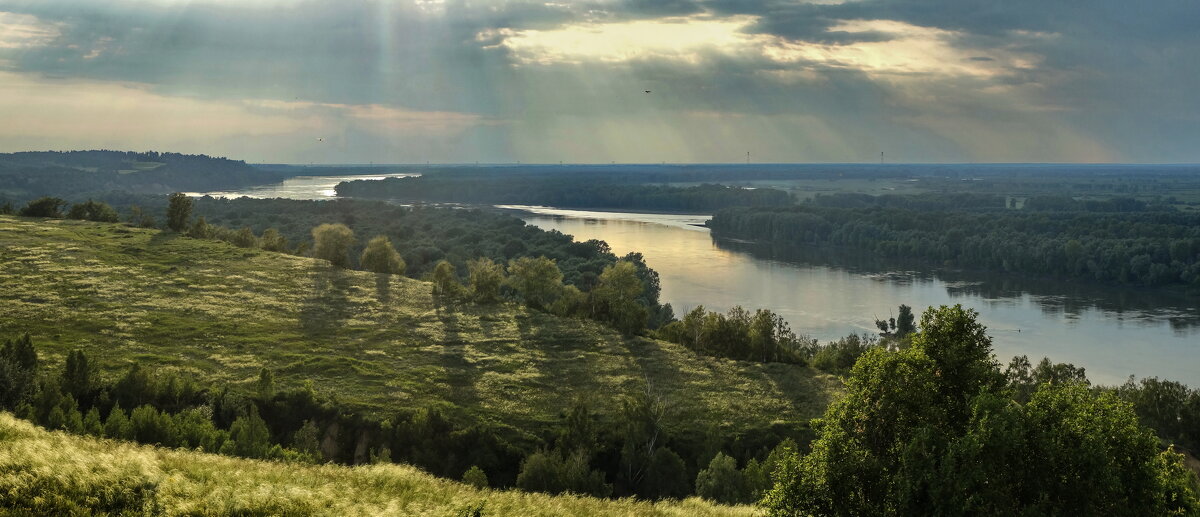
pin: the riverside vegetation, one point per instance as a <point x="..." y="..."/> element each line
<point x="906" y="437"/>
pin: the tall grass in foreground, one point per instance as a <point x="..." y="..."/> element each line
<point x="54" y="473"/>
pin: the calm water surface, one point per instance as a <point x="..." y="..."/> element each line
<point x="1112" y="332"/>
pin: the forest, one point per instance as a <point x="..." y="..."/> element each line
<point x="1114" y="241"/>
<point x="577" y="190"/>
<point x="27" y="175"/>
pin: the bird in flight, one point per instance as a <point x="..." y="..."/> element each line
<point x="647" y="91"/>
<point x="320" y="139"/>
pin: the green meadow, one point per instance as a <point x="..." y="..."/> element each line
<point x="374" y="343"/>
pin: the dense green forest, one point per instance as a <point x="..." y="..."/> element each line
<point x="1119" y="241"/>
<point x="27" y="175"/>
<point x="574" y="190"/>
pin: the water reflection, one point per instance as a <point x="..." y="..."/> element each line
<point x="1056" y="298"/>
<point x="1112" y="332"/>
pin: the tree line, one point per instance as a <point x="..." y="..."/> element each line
<point x="629" y="453"/>
<point x="31" y="174"/>
<point x="1150" y="248"/>
<point x="568" y="191"/>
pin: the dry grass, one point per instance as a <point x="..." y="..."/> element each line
<point x="53" y="473"/>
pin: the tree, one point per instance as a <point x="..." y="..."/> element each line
<point x="485" y="278"/>
<point x="93" y="211"/>
<point x="264" y="389"/>
<point x="904" y="321"/>
<point x="78" y="377"/>
<point x="244" y="238"/>
<point x="475" y="477"/>
<point x="249" y="436"/>
<point x="179" y="212"/>
<point x="381" y="257"/>
<point x="272" y="240"/>
<point x="117" y="425"/>
<point x="931" y="430"/>
<point x="537" y="281"/>
<point x="445" y="281"/>
<point x="721" y="481"/>
<point x="200" y="229"/>
<point x="615" y="298"/>
<point x="307" y="440"/>
<point x="44" y="207"/>
<point x="332" y="242"/>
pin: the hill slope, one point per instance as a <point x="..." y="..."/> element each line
<point x="53" y="473"/>
<point x="378" y="344"/>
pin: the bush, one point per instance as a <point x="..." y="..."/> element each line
<point x="44" y="207"/>
<point x="93" y="211"/>
<point x="332" y="242"/>
<point x="721" y="481"/>
<point x="475" y="477"/>
<point x="381" y="257"/>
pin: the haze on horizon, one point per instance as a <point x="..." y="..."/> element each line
<point x="410" y="81"/>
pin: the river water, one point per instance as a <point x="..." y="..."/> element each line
<point x="1113" y="332"/>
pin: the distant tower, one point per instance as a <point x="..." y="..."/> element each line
<point x="747" y="157"/>
<point x="881" y="157"/>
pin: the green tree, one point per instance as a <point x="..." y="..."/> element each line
<point x="244" y="238"/>
<point x="485" y="277"/>
<point x="249" y="436"/>
<point x="272" y="240"/>
<point x="78" y="376"/>
<point x="332" y="242"/>
<point x="380" y="257"/>
<point x="179" y="212"/>
<point x="44" y="207"/>
<point x="200" y="229"/>
<point x="475" y="477"/>
<point x="721" y="481"/>
<point x="117" y="425"/>
<point x="615" y="298"/>
<point x="307" y="440"/>
<point x="537" y="281"/>
<point x="92" y="424"/>
<point x="905" y="321"/>
<point x="445" y="280"/>
<point x="264" y="389"/>
<point x="93" y="211"/>
<point x="931" y="430"/>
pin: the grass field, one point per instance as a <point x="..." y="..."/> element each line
<point x="53" y="473"/>
<point x="220" y="313"/>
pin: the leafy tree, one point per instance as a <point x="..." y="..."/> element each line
<point x="249" y="436"/>
<point x="200" y="229"/>
<point x="537" y="281"/>
<point x="905" y="321"/>
<point x="264" y="389"/>
<point x="485" y="277"/>
<point x="930" y="429"/>
<point x="551" y="472"/>
<point x="44" y="207"/>
<point x="615" y="298"/>
<point x="7" y="209"/>
<point x="307" y="440"/>
<point x="332" y="242"/>
<point x="381" y="257"/>
<point x="445" y="281"/>
<point x="79" y="376"/>
<point x="272" y="240"/>
<point x="92" y="424"/>
<point x="179" y="212"/>
<point x="93" y="211"/>
<point x="475" y="477"/>
<point x="721" y="481"/>
<point x="117" y="425"/>
<point x="244" y="238"/>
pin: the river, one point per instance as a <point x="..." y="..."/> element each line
<point x="1113" y="332"/>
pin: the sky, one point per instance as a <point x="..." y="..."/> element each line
<point x="500" y="81"/>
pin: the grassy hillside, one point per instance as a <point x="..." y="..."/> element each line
<point x="53" y="473"/>
<point x="377" y="344"/>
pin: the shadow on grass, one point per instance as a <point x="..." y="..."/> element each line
<point x="327" y="307"/>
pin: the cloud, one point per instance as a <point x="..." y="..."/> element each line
<point x="925" y="80"/>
